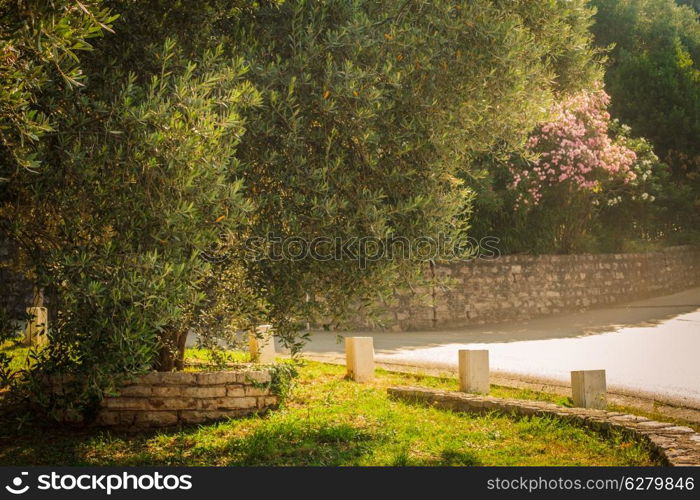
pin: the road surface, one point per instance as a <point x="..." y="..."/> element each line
<point x="649" y="348"/>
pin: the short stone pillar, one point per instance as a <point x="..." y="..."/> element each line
<point x="35" y="333"/>
<point x="359" y="357"/>
<point x="262" y="345"/>
<point x="474" y="371"/>
<point x="588" y="389"/>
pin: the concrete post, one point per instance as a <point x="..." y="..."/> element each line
<point x="474" y="371"/>
<point x="35" y="333"/>
<point x="359" y="357"/>
<point x="588" y="389"/>
<point x="262" y="345"/>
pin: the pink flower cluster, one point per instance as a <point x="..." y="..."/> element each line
<point x="574" y="148"/>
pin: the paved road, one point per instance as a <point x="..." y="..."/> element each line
<point x="649" y="348"/>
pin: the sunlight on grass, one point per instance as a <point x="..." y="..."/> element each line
<point x="332" y="421"/>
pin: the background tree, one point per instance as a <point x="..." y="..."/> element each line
<point x="372" y="111"/>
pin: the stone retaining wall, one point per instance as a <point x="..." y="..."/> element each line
<point x="518" y="287"/>
<point x="161" y="399"/>
<point x="676" y="445"/>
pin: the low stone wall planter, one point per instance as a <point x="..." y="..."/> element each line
<point x="676" y="445"/>
<point x="161" y="399"/>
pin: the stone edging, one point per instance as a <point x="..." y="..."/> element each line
<point x="161" y="399"/>
<point x="676" y="445"/>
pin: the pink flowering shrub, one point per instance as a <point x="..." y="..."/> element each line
<point x="575" y="151"/>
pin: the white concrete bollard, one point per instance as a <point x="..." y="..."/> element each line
<point x="588" y="389"/>
<point x="262" y="345"/>
<point x="35" y="333"/>
<point x="359" y="358"/>
<point x="474" y="371"/>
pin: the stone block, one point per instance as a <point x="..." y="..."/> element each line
<point x="235" y="391"/>
<point x="226" y="403"/>
<point x="107" y="418"/>
<point x="588" y="388"/>
<point x="168" y="378"/>
<point x="178" y="403"/>
<point x="359" y="358"/>
<point x="262" y="345"/>
<point x="267" y="401"/>
<point x="474" y="371"/>
<point x="256" y="391"/>
<point x="126" y="403"/>
<point x="136" y="391"/>
<point x="254" y="377"/>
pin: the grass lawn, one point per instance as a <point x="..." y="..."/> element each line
<point x="331" y="421"/>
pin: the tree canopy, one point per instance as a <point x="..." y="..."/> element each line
<point x="155" y="153"/>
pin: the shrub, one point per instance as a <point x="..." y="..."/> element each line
<point x="330" y="119"/>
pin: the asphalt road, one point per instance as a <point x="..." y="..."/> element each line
<point x="649" y="348"/>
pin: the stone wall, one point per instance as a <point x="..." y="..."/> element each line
<point x="517" y="287"/>
<point x="161" y="399"/>
<point x="676" y="445"/>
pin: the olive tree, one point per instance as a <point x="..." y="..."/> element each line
<point x="202" y="134"/>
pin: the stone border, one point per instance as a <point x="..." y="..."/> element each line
<point x="674" y="444"/>
<point x="162" y="399"/>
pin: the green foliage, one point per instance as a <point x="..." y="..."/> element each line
<point x="143" y="167"/>
<point x="695" y="4"/>
<point x="654" y="81"/>
<point x="282" y="378"/>
<point x="40" y="45"/>
<point x="639" y="214"/>
<point x="619" y="215"/>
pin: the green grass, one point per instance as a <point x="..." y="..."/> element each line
<point x="332" y="421"/>
<point x="18" y="353"/>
